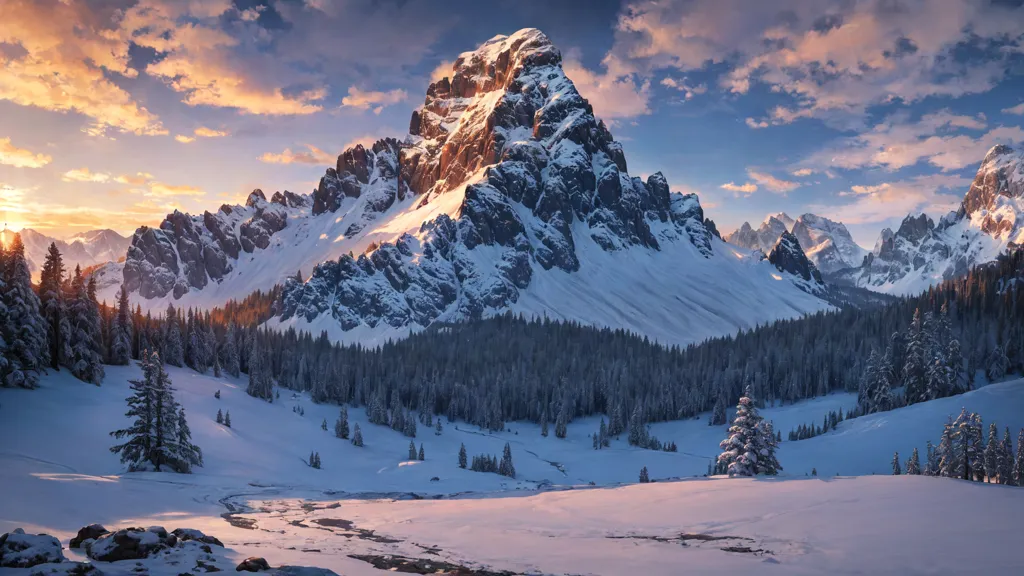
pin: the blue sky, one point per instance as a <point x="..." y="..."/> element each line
<point x="114" y="112"/>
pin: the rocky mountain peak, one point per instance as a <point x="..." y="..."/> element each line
<point x="788" y="256"/>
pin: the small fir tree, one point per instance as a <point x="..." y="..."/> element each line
<point x="644" y="477"/>
<point x="462" y="456"/>
<point x="357" y="437"/>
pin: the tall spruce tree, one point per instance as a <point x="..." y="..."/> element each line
<point x="173" y="348"/>
<point x="1005" y="464"/>
<point x="86" y="361"/>
<point x="24" y="330"/>
<point x="914" y="463"/>
<point x="749" y="449"/>
<point x="121" y="331"/>
<point x="137" y="451"/>
<point x="1018" y="467"/>
<point x="990" y="455"/>
<point x="53" y="307"/>
<point x="462" y="456"/>
<point x="896" y="464"/>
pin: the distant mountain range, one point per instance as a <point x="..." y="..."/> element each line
<point x="87" y="249"/>
<point x="828" y="244"/>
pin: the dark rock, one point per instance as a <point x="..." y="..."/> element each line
<point x="186" y="534"/>
<point x="131" y="544"/>
<point x="252" y="564"/>
<point x="788" y="257"/>
<point x="90" y="532"/>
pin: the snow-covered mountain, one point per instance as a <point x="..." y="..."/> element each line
<point x="507" y="194"/>
<point x="921" y="252"/>
<point x="85" y="250"/>
<point x="827" y="243"/>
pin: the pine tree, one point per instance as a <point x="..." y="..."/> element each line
<point x="357" y="436"/>
<point x="420" y="455"/>
<point x="261" y="384"/>
<point x="227" y="418"/>
<point x="916" y="365"/>
<point x="121" y="338"/>
<point x="437" y="427"/>
<point x="217" y="394"/>
<point x="991" y="454"/>
<point x="220" y="417"/>
<point x="173" y="349"/>
<point x="53" y="308"/>
<point x="506" y="468"/>
<point x="323" y="425"/>
<point x="896" y="464"/>
<point x="412" y="450"/>
<point x="24" y="329"/>
<point x="602" y="435"/>
<point x="341" y="426"/>
<point x="750" y="447"/>
<point x="638" y="435"/>
<point x="188" y="454"/>
<point x="718" y="412"/>
<point x="1018" y="467"/>
<point x="1005" y="464"/>
<point x="543" y="425"/>
<point x="644" y="477"/>
<point x="561" y="428"/>
<point x="86" y="362"/>
<point x="914" y="464"/>
<point x="137" y="451"/>
<point x="462" y="456"/>
<point x="946" y="454"/>
<point x="968" y="446"/>
<point x="229" y="351"/>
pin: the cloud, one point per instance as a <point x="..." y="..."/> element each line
<point x="312" y="155"/>
<point x="66" y="56"/>
<point x="362" y="100"/>
<point x="161" y="190"/>
<point x="802" y="172"/>
<point x="771" y="182"/>
<point x="11" y="155"/>
<point x="681" y="85"/>
<point x="937" y="139"/>
<point x="613" y="94"/>
<point x="26" y="208"/>
<point x="443" y="70"/>
<point x="745" y="189"/>
<point x="834" y="58"/>
<point x="879" y="202"/>
<point x="1018" y="109"/>
<point x="85" y="175"/>
<point x="757" y="124"/>
<point x="201" y="132"/>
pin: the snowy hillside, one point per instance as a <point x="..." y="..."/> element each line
<point x="508" y="194"/>
<point x="86" y="249"/>
<point x="922" y="253"/>
<point x="60" y="476"/>
<point x="827" y="243"/>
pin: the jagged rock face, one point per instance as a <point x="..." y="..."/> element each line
<point x="826" y="243"/>
<point x="538" y="173"/>
<point x="788" y="256"/>
<point x="922" y="252"/>
<point x="86" y="249"/>
<point x="188" y="252"/>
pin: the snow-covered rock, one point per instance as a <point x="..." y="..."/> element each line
<point x="922" y="252"/>
<point x="130" y="544"/>
<point x="788" y="256"/>
<point x="507" y="194"/>
<point x="21" y="550"/>
<point x="827" y="243"/>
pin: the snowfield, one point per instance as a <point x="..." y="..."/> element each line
<point x="58" y="475"/>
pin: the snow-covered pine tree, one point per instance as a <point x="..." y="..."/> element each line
<point x="931" y="465"/>
<point x="341" y="426"/>
<point x="462" y="456"/>
<point x="949" y="463"/>
<point x="543" y="425"/>
<point x="997" y="363"/>
<point x="916" y="363"/>
<point x="768" y="463"/>
<point x="718" y="412"/>
<point x="505" y="467"/>
<point x="24" y="330"/>
<point x="173" y="347"/>
<point x="1006" y="459"/>
<point x="638" y="435"/>
<point x="217" y="394"/>
<point x="229" y="351"/>
<point x="261" y="383"/>
<point x="968" y="446"/>
<point x="749" y="449"/>
<point x="357" y="436"/>
<point x="412" y="450"/>
<point x="86" y="362"/>
<point x="187" y="454"/>
<point x="896" y="464"/>
<point x="990" y="454"/>
<point x="136" y="451"/>
<point x="227" y="418"/>
<point x="1018" y="466"/>
<point x="602" y="435"/>
<point x="165" y="417"/>
<point x="121" y="331"/>
<point x="644" y="477"/>
<point x="420" y="456"/>
<point x="220" y="417"/>
<point x="53" y="308"/>
<point x="437" y="427"/>
<point x="323" y="425"/>
<point x="561" y="427"/>
<point x="914" y="463"/>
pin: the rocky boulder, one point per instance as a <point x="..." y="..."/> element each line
<point x="21" y="550"/>
<point x="88" y="533"/>
<point x="131" y="544"/>
<point x="252" y="564"/>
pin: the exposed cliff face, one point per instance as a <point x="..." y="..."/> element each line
<point x="788" y="256"/>
<point x="506" y="191"/>
<point x="921" y="252"/>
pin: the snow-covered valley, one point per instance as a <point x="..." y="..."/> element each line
<point x="59" y="475"/>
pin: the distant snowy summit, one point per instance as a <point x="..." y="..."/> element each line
<point x="921" y="252"/>
<point x="828" y="244"/>
<point x="88" y="249"/>
<point x="507" y="194"/>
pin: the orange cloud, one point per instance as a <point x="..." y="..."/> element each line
<point x="612" y="93"/>
<point x="748" y="188"/>
<point x="184" y="139"/>
<point x="313" y="155"/>
<point x="11" y="155"/>
<point x="363" y="100"/>
<point x="85" y="175"/>
<point x="443" y="70"/>
<point x="771" y="182"/>
<point x="201" y="132"/>
<point x="161" y="190"/>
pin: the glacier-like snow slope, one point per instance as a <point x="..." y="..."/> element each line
<point x="57" y="475"/>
